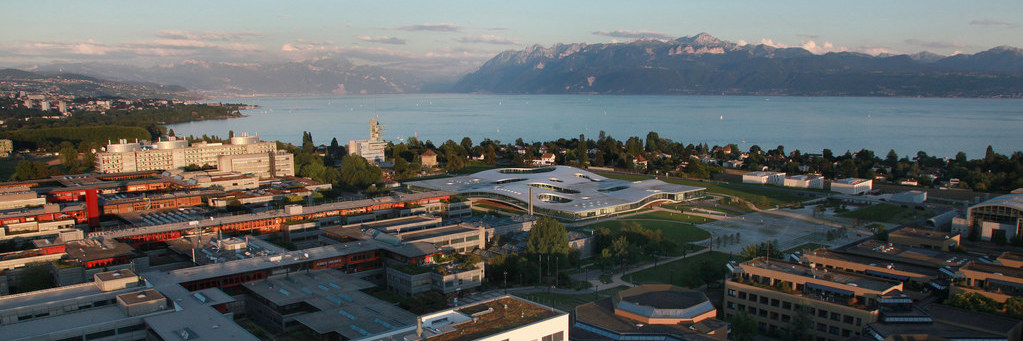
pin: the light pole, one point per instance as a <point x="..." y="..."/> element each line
<point x="505" y="282"/>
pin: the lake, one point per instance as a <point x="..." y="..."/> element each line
<point x="938" y="126"/>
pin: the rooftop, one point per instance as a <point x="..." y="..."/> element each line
<point x="913" y="232"/>
<point x="91" y="249"/>
<point x="494" y="316"/>
<point x="884" y="263"/>
<point x="925" y="257"/>
<point x="850" y="181"/>
<point x="338" y="302"/>
<point x="842" y="278"/>
<point x="600" y="314"/>
<point x="559" y="188"/>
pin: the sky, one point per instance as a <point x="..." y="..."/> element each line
<point x="148" y="33"/>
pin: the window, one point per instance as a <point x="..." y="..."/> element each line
<point x="99" y="335"/>
<point x="742" y="294"/>
<point x="753" y="297"/>
<point x="763" y="300"/>
<point x="559" y="336"/>
<point x="774" y="302"/>
<point x="786" y="305"/>
<point x="822" y="313"/>
<point x="836" y="317"/>
<point x="848" y="319"/>
<point x="833" y="330"/>
<point x="731" y="305"/>
<point x="731" y="292"/>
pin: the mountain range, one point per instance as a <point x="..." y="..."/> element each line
<point x="86" y="86"/>
<point x="220" y="79"/>
<point x="700" y="64"/>
<point x="703" y="64"/>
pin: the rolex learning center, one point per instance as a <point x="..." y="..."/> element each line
<point x="561" y="191"/>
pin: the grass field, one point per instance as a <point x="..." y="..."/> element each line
<point x="568" y="302"/>
<point x="685" y="218"/>
<point x="474" y="167"/>
<point x="677" y="231"/>
<point x="888" y="213"/>
<point x="684" y="272"/>
<point x="762" y="197"/>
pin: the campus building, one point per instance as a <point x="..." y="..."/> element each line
<point x="561" y="191"/>
<point x="373" y="149"/>
<point x="764" y="178"/>
<point x="779" y="294"/>
<point x="813" y="181"/>
<point x="852" y="186"/>
<point x="174" y="153"/>
<point x="503" y="318"/>
<point x="1000" y="217"/>
<point x="649" y="312"/>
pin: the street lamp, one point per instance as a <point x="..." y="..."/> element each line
<point x="505" y="282"/>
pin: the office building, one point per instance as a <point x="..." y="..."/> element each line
<point x="373" y="149"/>
<point x="649" y="312"/>
<point x="777" y="294"/>
<point x="174" y="153"/>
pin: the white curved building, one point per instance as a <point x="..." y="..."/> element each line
<point x="561" y="191"/>
<point x="1000" y="215"/>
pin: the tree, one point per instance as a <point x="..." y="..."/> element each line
<point x="357" y="173"/>
<point x="973" y="301"/>
<point x="547" y="236"/>
<point x="29" y="170"/>
<point x="1014" y="307"/>
<point x="744" y="327"/>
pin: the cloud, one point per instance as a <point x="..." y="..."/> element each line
<point x="876" y="50"/>
<point x="487" y="39"/>
<point x="809" y="45"/>
<point x="284" y="16"/>
<point x="934" y="44"/>
<point x="442" y="27"/>
<point x="382" y="40"/>
<point x="989" y="22"/>
<point x="808" y="36"/>
<point x="209" y="35"/>
<point x="629" y="34"/>
<point x="823" y="48"/>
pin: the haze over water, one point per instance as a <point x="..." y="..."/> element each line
<point x="938" y="126"/>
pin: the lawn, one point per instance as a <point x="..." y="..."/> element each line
<point x="474" y="167"/>
<point x="685" y="218"/>
<point x="568" y="302"/>
<point x="676" y="231"/>
<point x="688" y="272"/>
<point x="804" y="247"/>
<point x="888" y="213"/>
<point x="762" y="197"/>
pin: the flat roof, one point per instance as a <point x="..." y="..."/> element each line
<point x="921" y="233"/>
<point x="998" y="270"/>
<point x="850" y="181"/>
<point x="577" y="189"/>
<point x="393" y="222"/>
<point x="232" y="219"/>
<point x="342" y="306"/>
<point x="518" y="313"/>
<point x="844" y="278"/>
<point x="928" y="257"/>
<point x="437" y="232"/>
<point x="295" y="257"/>
<point x="141" y="296"/>
<point x="89" y="249"/>
<point x="895" y="265"/>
